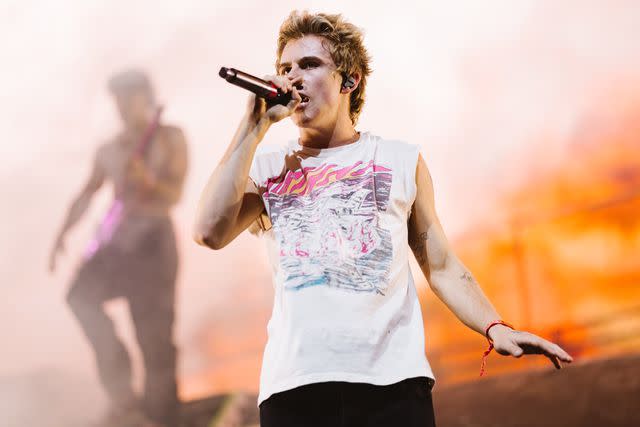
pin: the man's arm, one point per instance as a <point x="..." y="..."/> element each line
<point x="230" y="201"/>
<point x="78" y="207"/>
<point x="452" y="282"/>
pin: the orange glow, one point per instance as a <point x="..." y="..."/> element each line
<point x="567" y="254"/>
<point x="472" y="83"/>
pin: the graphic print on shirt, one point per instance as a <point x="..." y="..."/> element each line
<point x="327" y="225"/>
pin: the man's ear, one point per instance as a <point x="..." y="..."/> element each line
<point x="350" y="82"/>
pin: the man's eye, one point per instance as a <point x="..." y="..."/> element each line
<point x="309" y="65"/>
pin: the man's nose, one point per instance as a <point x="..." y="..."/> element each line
<point x="294" y="72"/>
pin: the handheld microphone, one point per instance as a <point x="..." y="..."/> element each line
<point x="261" y="88"/>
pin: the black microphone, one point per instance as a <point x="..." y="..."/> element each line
<point x="261" y="88"/>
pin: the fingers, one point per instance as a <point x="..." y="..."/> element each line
<point x="281" y="82"/>
<point x="258" y="107"/>
<point x="548" y="348"/>
<point x="560" y="353"/>
<point x="532" y="344"/>
<point x="554" y="360"/>
<point x="508" y="347"/>
<point x="284" y="83"/>
<point x="295" y="99"/>
<point x="297" y="82"/>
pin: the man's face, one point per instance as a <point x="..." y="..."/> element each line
<point x="134" y="107"/>
<point x="321" y="82"/>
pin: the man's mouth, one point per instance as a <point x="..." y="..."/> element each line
<point x="305" y="99"/>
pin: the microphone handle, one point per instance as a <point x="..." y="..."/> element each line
<point x="261" y="88"/>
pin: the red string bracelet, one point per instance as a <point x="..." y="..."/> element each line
<point x="487" y="351"/>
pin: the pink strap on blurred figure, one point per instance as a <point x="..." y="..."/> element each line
<point x="114" y="215"/>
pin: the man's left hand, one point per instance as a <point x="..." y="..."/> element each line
<point x="508" y="341"/>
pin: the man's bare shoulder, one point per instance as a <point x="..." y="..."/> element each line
<point x="173" y="134"/>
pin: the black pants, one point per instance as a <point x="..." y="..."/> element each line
<point x="144" y="274"/>
<point x="340" y="404"/>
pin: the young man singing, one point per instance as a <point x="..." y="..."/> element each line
<point x="340" y="209"/>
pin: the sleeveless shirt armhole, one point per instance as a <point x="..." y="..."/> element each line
<point x="257" y="226"/>
<point x="412" y="166"/>
<point x="262" y="223"/>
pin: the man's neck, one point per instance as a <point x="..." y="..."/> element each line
<point x="137" y="129"/>
<point x="341" y="133"/>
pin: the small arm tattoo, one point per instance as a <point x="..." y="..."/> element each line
<point x="468" y="277"/>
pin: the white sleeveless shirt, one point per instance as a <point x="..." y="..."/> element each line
<point x="345" y="306"/>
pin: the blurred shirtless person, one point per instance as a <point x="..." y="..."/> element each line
<point x="138" y="261"/>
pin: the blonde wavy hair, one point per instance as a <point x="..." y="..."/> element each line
<point x="345" y="46"/>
